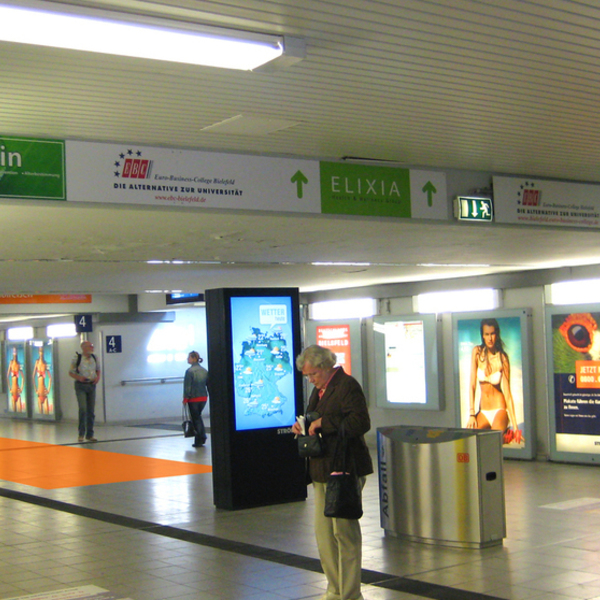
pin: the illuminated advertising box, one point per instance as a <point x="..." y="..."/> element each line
<point x="493" y="376"/>
<point x="574" y="382"/>
<point x="406" y="362"/>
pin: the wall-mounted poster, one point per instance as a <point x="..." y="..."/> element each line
<point x="493" y="376"/>
<point x="42" y="378"/>
<point x="337" y="339"/>
<point x="15" y="379"/>
<point x="406" y="362"/>
<point x="574" y="382"/>
<point x="344" y="339"/>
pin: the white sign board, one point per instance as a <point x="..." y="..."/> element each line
<point x="527" y="201"/>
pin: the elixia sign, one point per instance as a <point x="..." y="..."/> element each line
<point x="32" y="168"/>
<point x="365" y="190"/>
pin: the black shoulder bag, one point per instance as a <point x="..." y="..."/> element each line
<point x="343" y="494"/>
<point x="311" y="446"/>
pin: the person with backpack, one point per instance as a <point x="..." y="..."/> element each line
<point x="85" y="370"/>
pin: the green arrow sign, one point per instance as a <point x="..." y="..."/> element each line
<point x="299" y="178"/>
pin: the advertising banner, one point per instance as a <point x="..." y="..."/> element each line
<point x="576" y="380"/>
<point x="380" y="191"/>
<point x="16" y="380"/>
<point x="31" y="168"/>
<point x="337" y="339"/>
<point x="406" y="362"/>
<point x="527" y="201"/>
<point x="42" y="378"/>
<point x="130" y="174"/>
<point x="45" y="298"/>
<point x="492" y="360"/>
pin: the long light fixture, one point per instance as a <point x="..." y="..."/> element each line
<point x="457" y="301"/>
<point x="342" y="309"/>
<point x="93" y="30"/>
<point x="573" y="292"/>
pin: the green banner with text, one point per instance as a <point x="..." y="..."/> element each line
<point x="31" y="168"/>
<point x="348" y="189"/>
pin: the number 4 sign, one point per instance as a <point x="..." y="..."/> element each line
<point x="113" y="344"/>
<point x="83" y="323"/>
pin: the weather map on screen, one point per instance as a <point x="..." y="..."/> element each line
<point x="261" y="331"/>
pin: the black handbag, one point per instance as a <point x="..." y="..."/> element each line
<point x="187" y="424"/>
<point x="311" y="446"/>
<point x="343" y="493"/>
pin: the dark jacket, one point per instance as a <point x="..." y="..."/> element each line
<point x="195" y="382"/>
<point x="343" y="401"/>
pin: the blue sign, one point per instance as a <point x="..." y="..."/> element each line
<point x="113" y="344"/>
<point x="83" y="323"/>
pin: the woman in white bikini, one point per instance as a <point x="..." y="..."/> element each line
<point x="490" y="368"/>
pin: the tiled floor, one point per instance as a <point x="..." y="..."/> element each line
<point x="159" y="539"/>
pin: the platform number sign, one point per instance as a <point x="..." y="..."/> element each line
<point x="83" y="323"/>
<point x="113" y="344"/>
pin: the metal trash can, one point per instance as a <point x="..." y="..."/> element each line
<point x="442" y="486"/>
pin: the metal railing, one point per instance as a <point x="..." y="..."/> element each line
<point x="151" y="380"/>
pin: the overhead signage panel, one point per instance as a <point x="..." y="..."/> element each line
<point x="381" y="191"/>
<point x="130" y="174"/>
<point x="32" y="169"/>
<point x="527" y="201"/>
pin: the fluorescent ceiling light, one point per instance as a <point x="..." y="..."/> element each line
<point x="61" y="330"/>
<point x="123" y="34"/>
<point x="573" y="292"/>
<point x="457" y="301"/>
<point x="342" y="309"/>
<point x="19" y="333"/>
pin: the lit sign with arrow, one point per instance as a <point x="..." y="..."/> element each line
<point x="467" y="208"/>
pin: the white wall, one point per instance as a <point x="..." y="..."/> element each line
<point x="149" y="350"/>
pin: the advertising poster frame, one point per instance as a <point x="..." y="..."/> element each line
<point x="427" y="348"/>
<point x="19" y="388"/>
<point x="516" y="334"/>
<point x="45" y="404"/>
<point x="315" y="332"/>
<point x="572" y="342"/>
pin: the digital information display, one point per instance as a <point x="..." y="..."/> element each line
<point x="263" y="362"/>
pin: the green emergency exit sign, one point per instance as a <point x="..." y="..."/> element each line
<point x="469" y="208"/>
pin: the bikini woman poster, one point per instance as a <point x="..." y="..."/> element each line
<point x="42" y="378"/>
<point x="15" y="378"/>
<point x="493" y="374"/>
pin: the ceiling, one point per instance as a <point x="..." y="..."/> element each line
<point x="506" y="87"/>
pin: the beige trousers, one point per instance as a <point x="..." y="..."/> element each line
<point x="340" y="549"/>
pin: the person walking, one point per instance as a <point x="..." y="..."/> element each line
<point x="85" y="370"/>
<point x="195" y="395"/>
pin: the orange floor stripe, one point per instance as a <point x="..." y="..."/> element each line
<point x="51" y="467"/>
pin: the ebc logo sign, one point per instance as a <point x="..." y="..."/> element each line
<point x="131" y="165"/>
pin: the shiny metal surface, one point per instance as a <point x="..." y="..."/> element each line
<point x="442" y="486"/>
